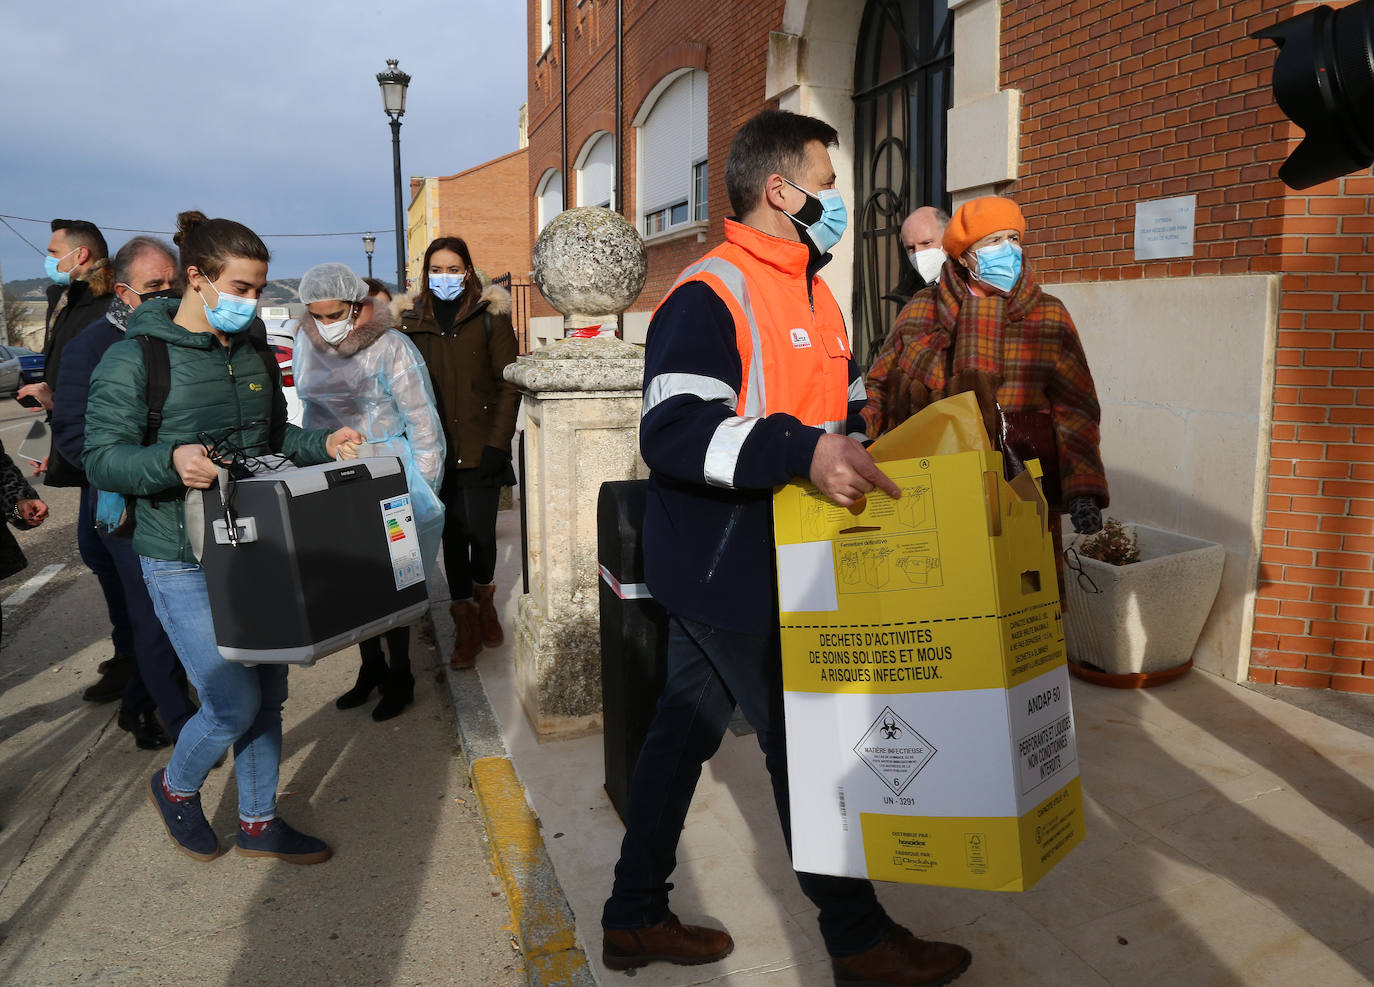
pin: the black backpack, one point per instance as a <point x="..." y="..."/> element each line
<point x="159" y="367"/>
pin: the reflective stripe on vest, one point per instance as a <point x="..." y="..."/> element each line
<point x="707" y="389"/>
<point x="754" y="401"/>
<point x="814" y="408"/>
<point x="732" y="287"/>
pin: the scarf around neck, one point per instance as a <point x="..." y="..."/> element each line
<point x="967" y="334"/>
<point x="118" y="313"/>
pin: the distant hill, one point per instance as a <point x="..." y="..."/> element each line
<point x="29" y="289"/>
<point x="281" y="292"/>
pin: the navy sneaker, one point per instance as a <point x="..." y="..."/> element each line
<point x="281" y="841"/>
<point x="185" y="822"/>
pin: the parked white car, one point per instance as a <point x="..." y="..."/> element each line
<point x="281" y="336"/>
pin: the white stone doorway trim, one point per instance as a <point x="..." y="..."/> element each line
<point x="984" y="124"/>
<point x="811" y="71"/>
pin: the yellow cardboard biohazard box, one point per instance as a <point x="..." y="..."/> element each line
<point x="930" y="735"/>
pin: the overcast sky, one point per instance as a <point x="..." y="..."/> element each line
<point x="264" y="111"/>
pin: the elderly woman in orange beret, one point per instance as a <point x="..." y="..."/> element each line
<point x="987" y="327"/>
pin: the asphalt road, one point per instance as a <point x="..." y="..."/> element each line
<point x="91" y="889"/>
<point x="53" y="543"/>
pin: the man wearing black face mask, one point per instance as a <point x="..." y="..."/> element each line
<point x="143" y="268"/>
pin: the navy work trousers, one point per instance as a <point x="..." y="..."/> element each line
<point x="710" y="670"/>
<point x="159" y="680"/>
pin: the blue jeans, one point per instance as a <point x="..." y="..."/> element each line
<point x="709" y="670"/>
<point x="239" y="704"/>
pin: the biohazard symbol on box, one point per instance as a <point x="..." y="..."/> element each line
<point x="894" y="751"/>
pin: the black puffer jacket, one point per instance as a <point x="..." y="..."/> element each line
<point x="13" y="488"/>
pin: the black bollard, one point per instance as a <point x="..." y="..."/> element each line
<point x="634" y="634"/>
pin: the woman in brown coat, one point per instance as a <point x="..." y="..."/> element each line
<point x="464" y="333"/>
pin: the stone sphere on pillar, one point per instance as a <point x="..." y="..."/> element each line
<point x="590" y="261"/>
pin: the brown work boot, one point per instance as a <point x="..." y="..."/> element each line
<point x="485" y="596"/>
<point x="669" y="942"/>
<point x="467" y="634"/>
<point x="902" y="959"/>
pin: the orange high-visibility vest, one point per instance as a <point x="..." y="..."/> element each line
<point x="793" y="348"/>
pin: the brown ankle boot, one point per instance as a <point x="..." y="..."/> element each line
<point x="467" y="634"/>
<point x="903" y="959"/>
<point x="485" y="596"/>
<point x="667" y="942"/>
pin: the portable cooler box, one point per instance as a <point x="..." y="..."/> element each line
<point x="317" y="559"/>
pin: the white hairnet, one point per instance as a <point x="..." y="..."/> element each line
<point x="326" y="282"/>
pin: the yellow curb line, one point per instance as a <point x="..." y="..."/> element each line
<point x="543" y="920"/>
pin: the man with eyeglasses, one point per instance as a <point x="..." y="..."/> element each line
<point x="153" y="678"/>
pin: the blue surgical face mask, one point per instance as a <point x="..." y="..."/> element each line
<point x="446" y="287"/>
<point x="822" y="217"/>
<point x="50" y="268"/>
<point x="231" y="313"/>
<point x="999" y="265"/>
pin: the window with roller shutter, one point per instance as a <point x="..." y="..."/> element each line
<point x="672" y="155"/>
<point x="549" y="194"/>
<point x="596" y="171"/>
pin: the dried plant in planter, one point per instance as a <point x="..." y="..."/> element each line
<point x="1111" y="545"/>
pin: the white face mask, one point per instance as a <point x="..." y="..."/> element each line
<point x="928" y="263"/>
<point x="334" y="332"/>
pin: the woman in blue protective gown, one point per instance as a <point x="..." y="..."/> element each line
<point x="353" y="369"/>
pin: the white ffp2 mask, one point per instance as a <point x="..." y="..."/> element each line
<point x="334" y="332"/>
<point x="928" y="263"/>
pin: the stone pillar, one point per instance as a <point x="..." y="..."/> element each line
<point x="590" y="264"/>
<point x="582" y="403"/>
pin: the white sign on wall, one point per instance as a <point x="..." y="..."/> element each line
<point x="1164" y="227"/>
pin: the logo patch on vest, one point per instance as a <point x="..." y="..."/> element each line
<point x="800" y="340"/>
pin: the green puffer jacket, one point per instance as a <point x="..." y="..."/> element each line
<point x="216" y="392"/>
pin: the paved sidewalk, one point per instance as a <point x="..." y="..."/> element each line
<point x="1228" y="843"/>
<point x="92" y="891"/>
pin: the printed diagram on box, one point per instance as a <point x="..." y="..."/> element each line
<point x="821" y="518"/>
<point x="920" y="564"/>
<point x="870" y="563"/>
<point x="894" y="751"/>
<point x="914" y="509"/>
<point x="865" y="567"/>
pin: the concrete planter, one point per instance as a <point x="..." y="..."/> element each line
<point x="1146" y="617"/>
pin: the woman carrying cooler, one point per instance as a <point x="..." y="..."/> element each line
<point x="464" y="333"/>
<point x="223" y="396"/>
<point x="353" y="369"/>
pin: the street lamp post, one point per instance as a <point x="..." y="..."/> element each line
<point x="394" y="82"/>
<point x="369" y="241"/>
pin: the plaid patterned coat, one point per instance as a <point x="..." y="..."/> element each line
<point x="1019" y="351"/>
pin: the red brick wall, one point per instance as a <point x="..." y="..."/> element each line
<point x="1138" y="99"/>
<point x="489" y="206"/>
<point x="736" y="49"/>
<point x="1129" y="100"/>
<point x="1314" y="613"/>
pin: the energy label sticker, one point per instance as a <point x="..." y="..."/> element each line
<point x="399" y="521"/>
